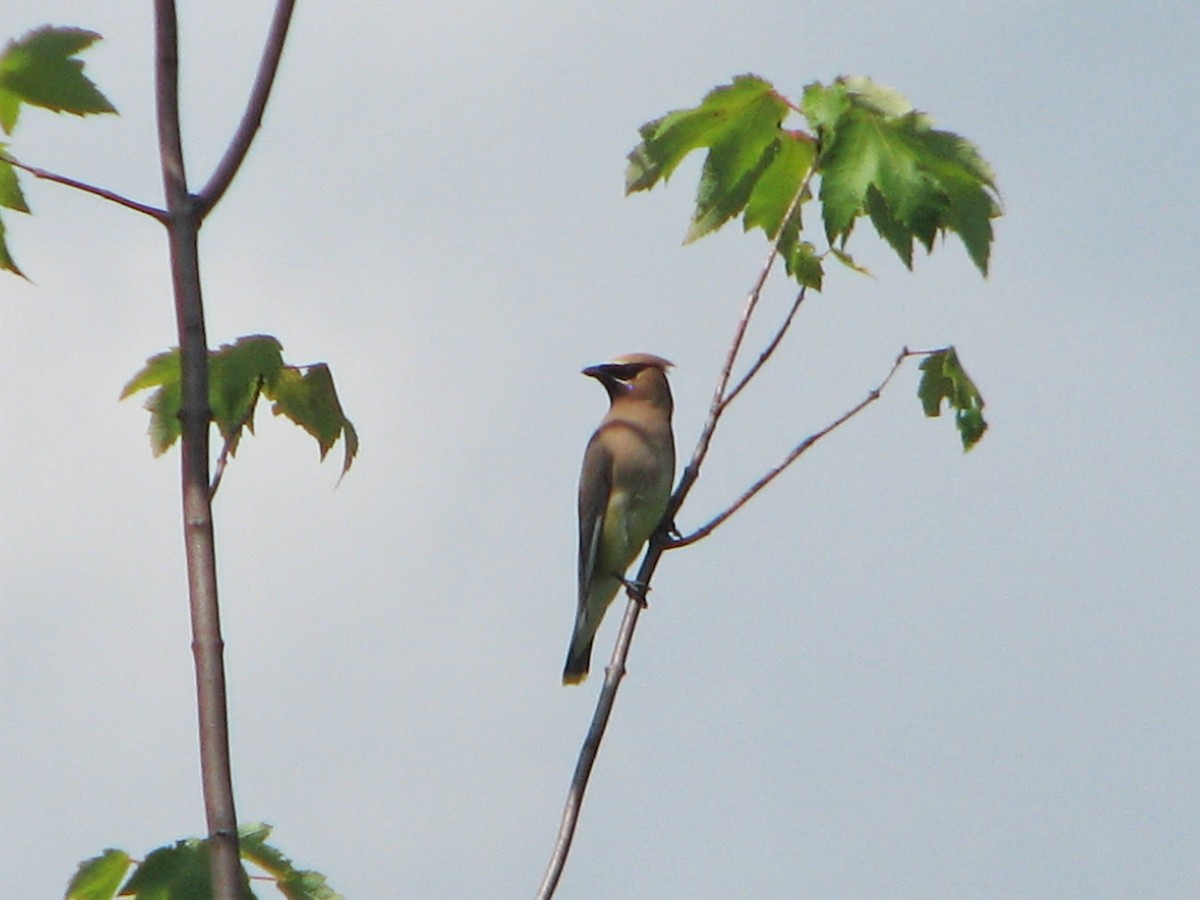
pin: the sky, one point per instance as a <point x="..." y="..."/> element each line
<point x="901" y="671"/>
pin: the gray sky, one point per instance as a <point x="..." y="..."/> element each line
<point x="901" y="672"/>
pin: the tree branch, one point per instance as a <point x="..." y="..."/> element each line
<point x="660" y="541"/>
<point x="709" y="527"/>
<point x="768" y="350"/>
<point x="234" y="435"/>
<point x="152" y="211"/>
<point x="183" y="224"/>
<point x="239" y="146"/>
<point x="613" y="674"/>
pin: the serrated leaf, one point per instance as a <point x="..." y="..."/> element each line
<point x="823" y="107"/>
<point x="40" y="70"/>
<point x="6" y="261"/>
<point x="179" y="872"/>
<point x="11" y="196"/>
<point x="944" y="379"/>
<point x="99" y="878"/>
<point x="238" y="373"/>
<point x="161" y="371"/>
<point x="307" y="396"/>
<point x="881" y="158"/>
<point x="740" y="126"/>
<point x="776" y="188"/>
<point x="667" y="140"/>
<point x="293" y="883"/>
<point x="803" y="264"/>
<point x="877" y="98"/>
<point x="738" y="156"/>
<point x="848" y="261"/>
<point x="10" y="109"/>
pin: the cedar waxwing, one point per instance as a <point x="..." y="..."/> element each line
<point x="624" y="487"/>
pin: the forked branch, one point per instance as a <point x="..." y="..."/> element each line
<point x="874" y="394"/>
<point x="660" y="541"/>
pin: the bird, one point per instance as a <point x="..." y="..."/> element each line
<point x="624" y="487"/>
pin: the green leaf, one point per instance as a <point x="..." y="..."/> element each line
<point x="737" y="159"/>
<point x="11" y="196"/>
<point x="6" y="261"/>
<point x="740" y="125"/>
<point x="802" y="262"/>
<point x="179" y="872"/>
<point x="161" y="371"/>
<point x="307" y="396"/>
<point x="848" y="261"/>
<point x="172" y="873"/>
<point x="99" y="878"/>
<point x="667" y="140"/>
<point x="881" y="158"/>
<point x="40" y="70"/>
<point x="944" y="379"/>
<point x="293" y="883"/>
<point x="776" y="188"/>
<point x="238" y="374"/>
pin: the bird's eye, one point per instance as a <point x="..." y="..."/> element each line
<point x="624" y="371"/>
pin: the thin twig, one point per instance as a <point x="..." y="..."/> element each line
<point x="769" y="349"/>
<point x="239" y="146"/>
<point x="219" y="469"/>
<point x="613" y="674"/>
<point x="708" y="528"/>
<point x="234" y="435"/>
<point x="153" y="211"/>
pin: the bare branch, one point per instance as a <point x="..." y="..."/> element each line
<point x="239" y="146"/>
<point x="613" y="674"/>
<point x="234" y="435"/>
<point x="219" y="469"/>
<point x="708" y="528"/>
<point x="769" y="349"/>
<point x="152" y="211"/>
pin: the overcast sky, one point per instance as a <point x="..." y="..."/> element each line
<point x="901" y="672"/>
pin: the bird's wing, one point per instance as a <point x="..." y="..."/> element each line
<point x="595" y="487"/>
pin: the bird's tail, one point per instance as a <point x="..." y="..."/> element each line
<point x="579" y="659"/>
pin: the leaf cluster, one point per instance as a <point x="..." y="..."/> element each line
<point x="40" y="69"/>
<point x="180" y="871"/>
<point x="943" y="379"/>
<point x="238" y="375"/>
<point x="872" y="153"/>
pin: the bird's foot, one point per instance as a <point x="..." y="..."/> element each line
<point x="636" y="590"/>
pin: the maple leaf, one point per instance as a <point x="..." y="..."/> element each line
<point x="881" y="158"/>
<point x="40" y="69"/>
<point x="238" y="374"/>
<point x="944" y="379"/>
